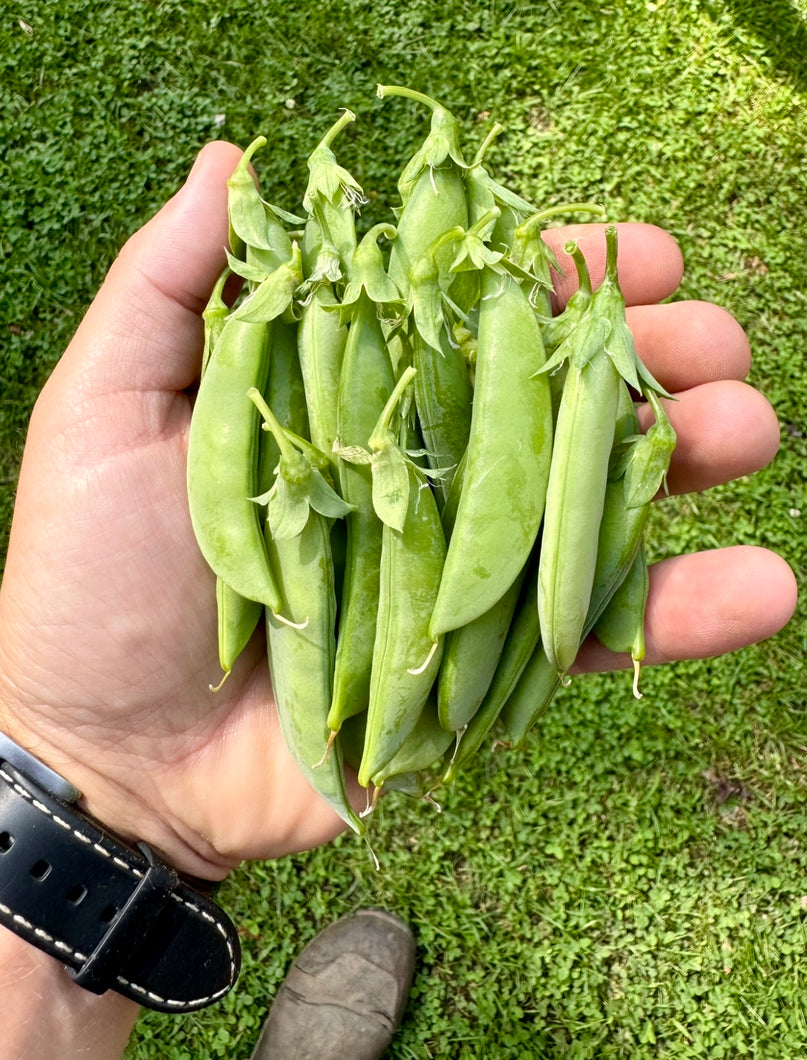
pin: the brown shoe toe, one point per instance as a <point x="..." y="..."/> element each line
<point x="344" y="995"/>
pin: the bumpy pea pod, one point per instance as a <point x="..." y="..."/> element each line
<point x="223" y="443"/>
<point x="505" y="475"/>
<point x="301" y="655"/>
<point x="405" y="661"/>
<point x="365" y="383"/>
<point x="621" y="625"/>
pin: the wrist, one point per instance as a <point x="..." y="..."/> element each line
<point x="70" y="1023"/>
<point x="113" y="792"/>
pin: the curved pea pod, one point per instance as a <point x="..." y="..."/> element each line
<point x="223" y="460"/>
<point x="301" y="659"/>
<point x="520" y="644"/>
<point x="238" y="618"/>
<point x="302" y="646"/>
<point x="531" y="696"/>
<point x="411" y="768"/>
<point x="505" y="476"/>
<point x="470" y="657"/>
<point x="365" y="384"/>
<point x="405" y="659"/>
<point x="636" y="479"/>
<point x="223" y="442"/>
<point x="621" y="625"/>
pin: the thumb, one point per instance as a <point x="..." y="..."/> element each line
<point x="144" y="329"/>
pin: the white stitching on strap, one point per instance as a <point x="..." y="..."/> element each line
<point x="138" y="873"/>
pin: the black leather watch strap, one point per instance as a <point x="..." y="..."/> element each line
<point x="113" y="914"/>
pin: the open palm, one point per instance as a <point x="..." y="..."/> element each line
<point x="107" y="615"/>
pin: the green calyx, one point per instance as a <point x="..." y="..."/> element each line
<point x="441" y="147"/>
<point x="327" y="180"/>
<point x="368" y="274"/>
<point x="299" y="485"/>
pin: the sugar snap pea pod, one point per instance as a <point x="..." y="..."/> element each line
<point x="238" y="618"/>
<point x="531" y="696"/>
<point x="520" y="644"/>
<point x="505" y="476"/>
<point x="321" y="344"/>
<point x="365" y="383"/>
<point x="630" y="490"/>
<point x="301" y="650"/>
<point x="576" y="495"/>
<point x="431" y="186"/>
<point x="223" y="444"/>
<point x="621" y="625"/>
<point x="405" y="661"/>
<point x="410" y="769"/>
<point x="470" y="656"/>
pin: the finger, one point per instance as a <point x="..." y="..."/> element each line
<point x="690" y="342"/>
<point x="649" y="261"/>
<point x="724" y="430"/>
<point x="708" y="604"/>
<point x="144" y="329"/>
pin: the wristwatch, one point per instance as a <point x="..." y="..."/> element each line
<point x="114" y="914"/>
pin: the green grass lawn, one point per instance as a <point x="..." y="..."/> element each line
<point x="634" y="883"/>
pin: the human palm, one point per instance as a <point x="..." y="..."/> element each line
<point x="107" y="619"/>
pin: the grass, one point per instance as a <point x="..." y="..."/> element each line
<point x="633" y="882"/>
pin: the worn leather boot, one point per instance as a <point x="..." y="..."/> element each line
<point x="344" y="995"/>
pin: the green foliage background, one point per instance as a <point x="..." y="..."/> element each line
<point x="633" y="884"/>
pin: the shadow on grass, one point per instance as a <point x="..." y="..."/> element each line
<point x="778" y="26"/>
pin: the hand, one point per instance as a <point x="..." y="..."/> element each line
<point x="107" y="620"/>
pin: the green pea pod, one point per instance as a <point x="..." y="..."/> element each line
<point x="238" y="618"/>
<point x="622" y="525"/>
<point x="505" y="477"/>
<point x="321" y="344"/>
<point x="409" y="770"/>
<point x="405" y="660"/>
<point x="520" y="644"/>
<point x="575" y="499"/>
<point x="302" y="647"/>
<point x="301" y="659"/>
<point x="365" y="384"/>
<point x="223" y="460"/>
<point x="285" y="396"/>
<point x="531" y="696"/>
<point x="470" y="657"/>
<point x="621" y="625"/>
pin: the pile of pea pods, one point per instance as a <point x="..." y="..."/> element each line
<point x="426" y="487"/>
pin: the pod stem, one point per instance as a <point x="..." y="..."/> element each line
<point x="344" y="120"/>
<point x="494" y="134"/>
<point x="583" y="275"/>
<point x="408" y="93"/>
<point x="386" y="415"/>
